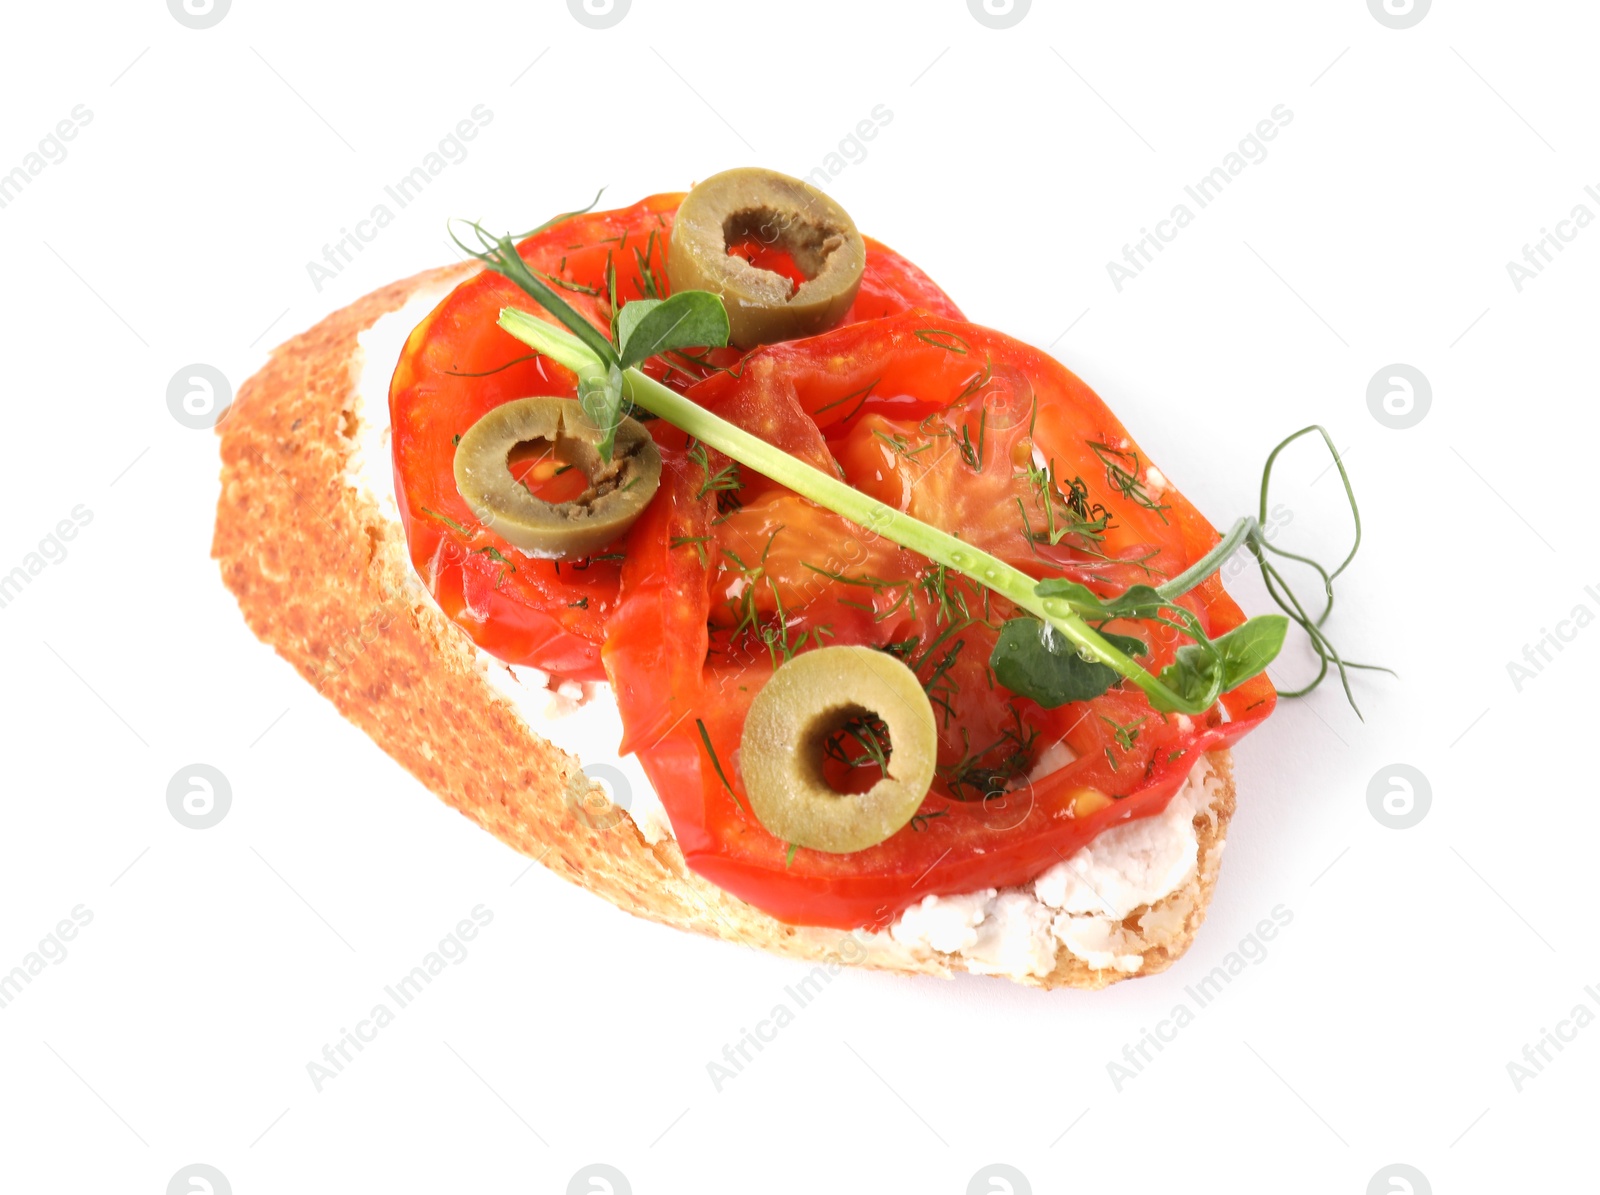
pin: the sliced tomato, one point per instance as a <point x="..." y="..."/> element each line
<point x="458" y="363"/>
<point x="947" y="421"/>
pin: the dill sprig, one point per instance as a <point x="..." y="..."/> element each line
<point x="941" y="339"/>
<point x="489" y="372"/>
<point x="901" y="446"/>
<point x="903" y="591"/>
<point x="448" y="522"/>
<point x="705" y="737"/>
<point x="699" y="542"/>
<point x="1065" y="512"/>
<point x="972" y="454"/>
<point x="944" y="592"/>
<point x="1125" y="479"/>
<point x="987" y="771"/>
<point x="649" y="285"/>
<point x="860" y="396"/>
<point x="869" y="733"/>
<point x="724" y="481"/>
<point x="978" y="381"/>
<point x="1126" y="736"/>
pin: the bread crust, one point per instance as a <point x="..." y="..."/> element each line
<point x="323" y="576"/>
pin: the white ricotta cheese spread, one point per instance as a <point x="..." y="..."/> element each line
<point x="1081" y="902"/>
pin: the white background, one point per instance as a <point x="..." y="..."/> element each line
<point x="1017" y="164"/>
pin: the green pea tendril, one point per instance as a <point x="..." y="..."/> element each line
<point x="1053" y="653"/>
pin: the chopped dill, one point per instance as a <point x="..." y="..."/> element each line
<point x="901" y="446"/>
<point x="1065" y="513"/>
<point x="1014" y="749"/>
<point x="940" y="339"/>
<point x="493" y="553"/>
<point x="879" y="587"/>
<point x="583" y="562"/>
<point x="1126" y="736"/>
<point x="486" y="373"/>
<point x="716" y="763"/>
<point x="725" y="481"/>
<point x="869" y="734"/>
<point x="978" y="381"/>
<point x="1125" y="479"/>
<point x="859" y="395"/>
<point x="744" y="605"/>
<point x="970" y="453"/>
<point x="699" y="542"/>
<point x="449" y="522"/>
<point x="649" y="285"/>
<point x="944" y="591"/>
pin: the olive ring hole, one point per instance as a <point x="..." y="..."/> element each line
<point x="502" y="465"/>
<point x="808" y="244"/>
<point x="847" y="749"/>
<point x="568" y="452"/>
<point x="820" y="714"/>
<point x="524" y="458"/>
<point x="786" y="260"/>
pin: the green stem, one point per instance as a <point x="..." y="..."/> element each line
<point x="876" y="517"/>
<point x="1210" y="562"/>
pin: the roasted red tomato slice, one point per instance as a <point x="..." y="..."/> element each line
<point x="730" y="575"/>
<point x="459" y="364"/>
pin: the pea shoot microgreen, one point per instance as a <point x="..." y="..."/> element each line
<point x="642" y="329"/>
<point x="1204" y="669"/>
<point x="1056" y="650"/>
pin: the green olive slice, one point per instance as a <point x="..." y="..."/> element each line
<point x="807" y="700"/>
<point x="775" y="209"/>
<point x="618" y="489"/>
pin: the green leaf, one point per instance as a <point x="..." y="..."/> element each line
<point x="1139" y="601"/>
<point x="1080" y="597"/>
<point x="628" y="317"/>
<point x="690" y="318"/>
<point x="1039" y="663"/>
<point x="1249" y="648"/>
<point x="600" y="397"/>
<point x="1195" y="675"/>
<point x="1128" y="645"/>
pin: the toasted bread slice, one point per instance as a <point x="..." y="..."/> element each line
<point x="323" y="576"/>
